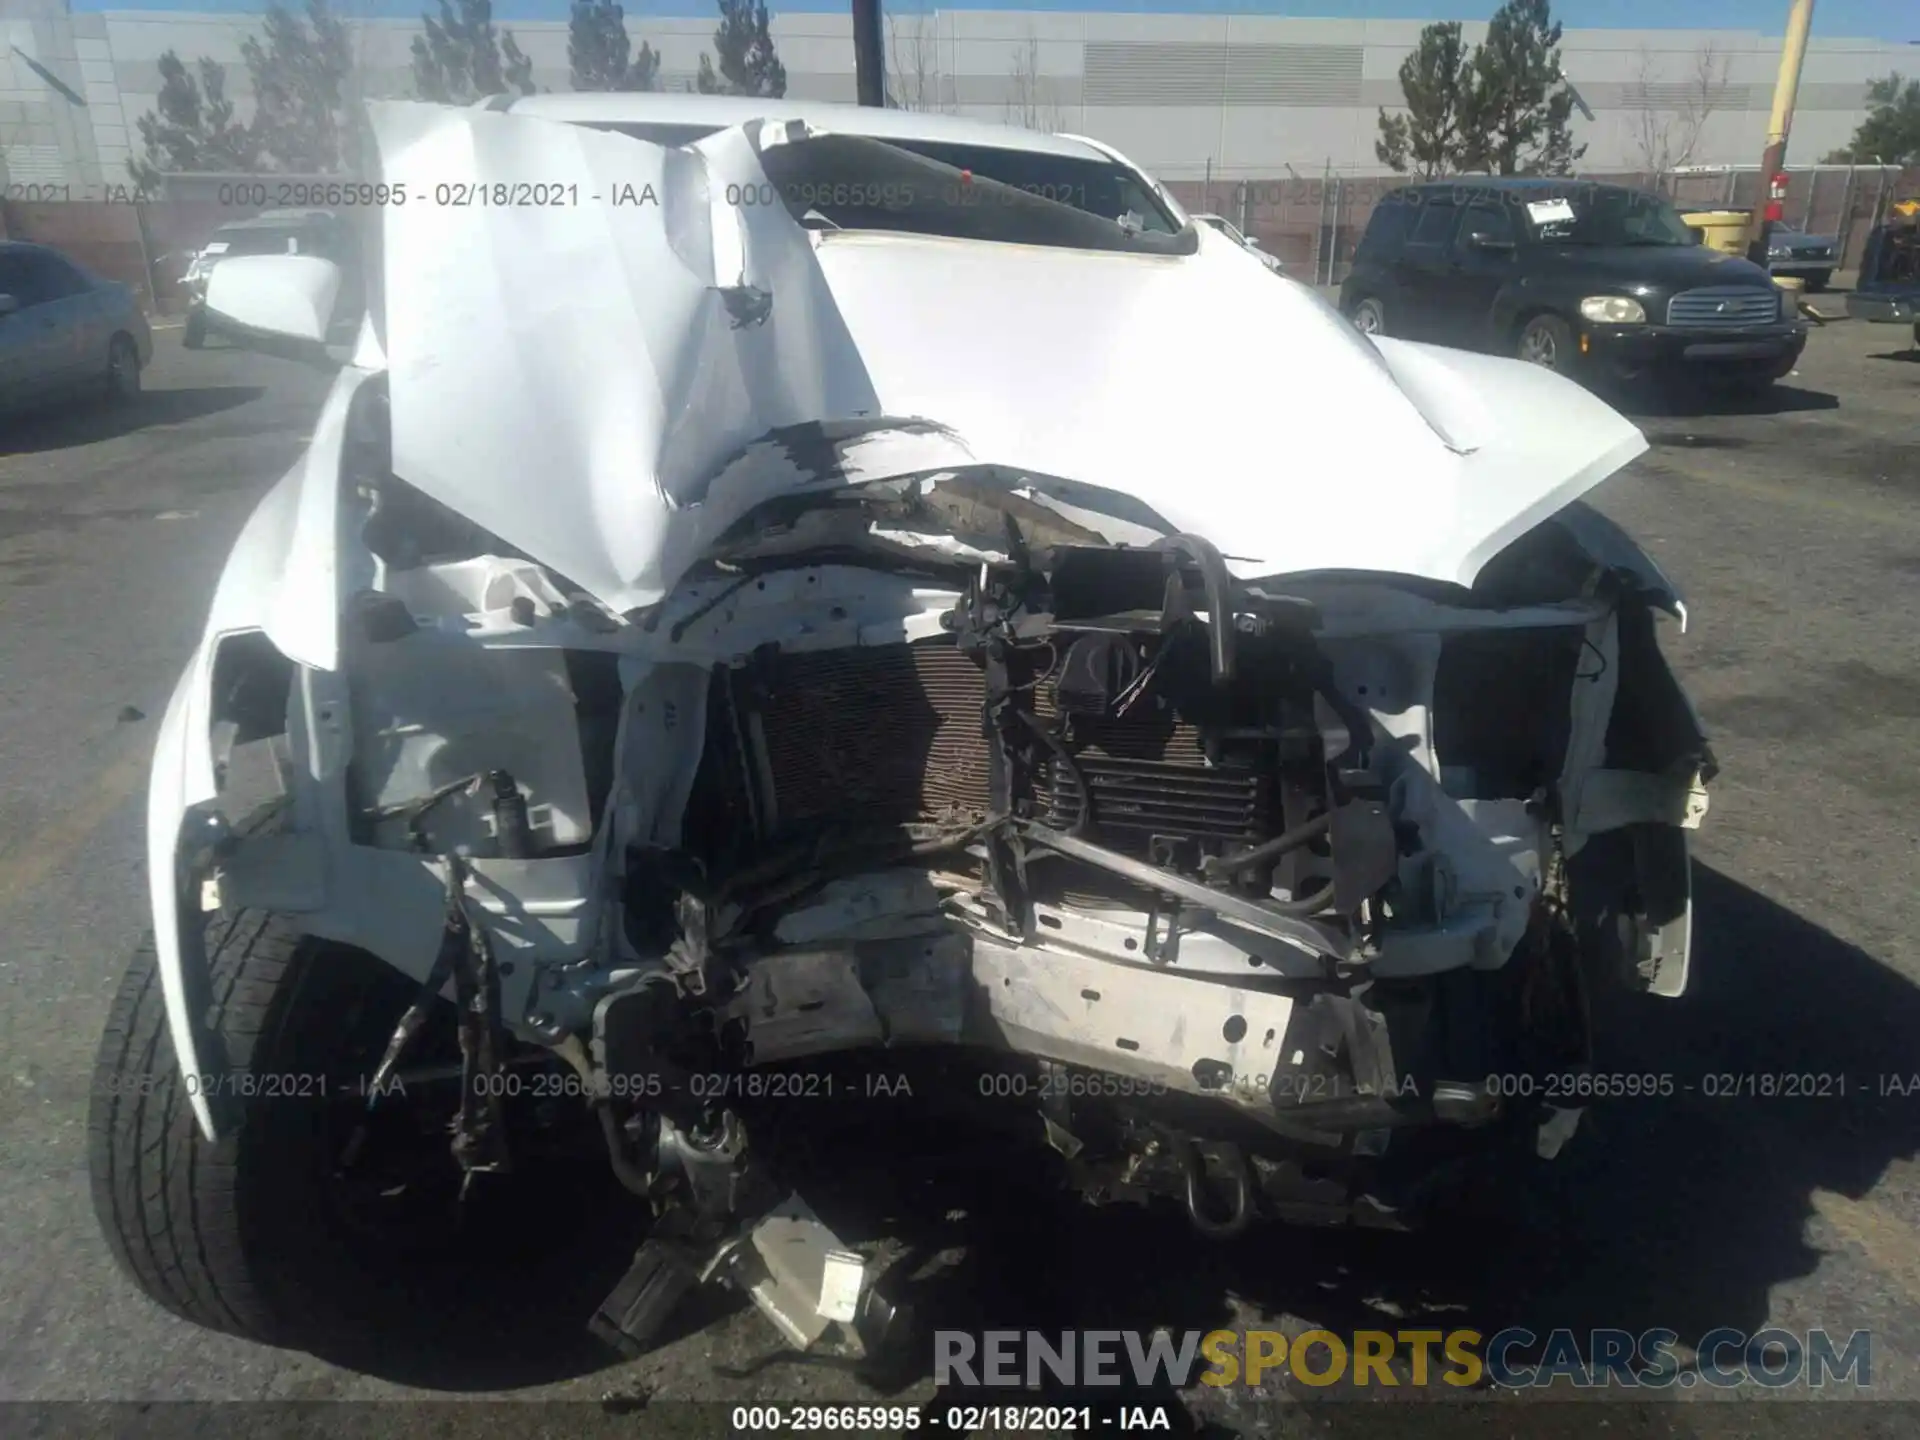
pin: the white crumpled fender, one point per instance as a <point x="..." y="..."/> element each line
<point x="280" y="580"/>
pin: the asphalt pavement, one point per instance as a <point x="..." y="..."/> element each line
<point x="1793" y="527"/>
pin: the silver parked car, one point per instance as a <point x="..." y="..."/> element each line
<point x="64" y="331"/>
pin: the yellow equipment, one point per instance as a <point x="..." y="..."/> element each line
<point x="1725" y="230"/>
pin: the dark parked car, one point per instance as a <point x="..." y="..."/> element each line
<point x="1793" y="252"/>
<point x="64" y="331"/>
<point x="1597" y="281"/>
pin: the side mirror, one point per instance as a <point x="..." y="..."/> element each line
<point x="1699" y="234"/>
<point x="277" y="304"/>
<point x="8" y="304"/>
<point x="1492" y="244"/>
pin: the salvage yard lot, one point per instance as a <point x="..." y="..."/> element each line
<point x="1793" y="528"/>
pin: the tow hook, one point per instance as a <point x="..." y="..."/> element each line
<point x="1240" y="1190"/>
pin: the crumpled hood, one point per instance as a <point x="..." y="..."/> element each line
<point x="610" y="382"/>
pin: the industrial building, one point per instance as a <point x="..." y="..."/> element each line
<point x="1225" y="96"/>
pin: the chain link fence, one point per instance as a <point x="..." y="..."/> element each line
<point x="1312" y="223"/>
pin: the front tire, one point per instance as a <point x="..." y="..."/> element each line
<point x="1547" y="341"/>
<point x="171" y="1204"/>
<point x="1370" y="316"/>
<point x="123" y="370"/>
<point x="1817" y="281"/>
<point x="194" y="334"/>
<point x="247" y="1234"/>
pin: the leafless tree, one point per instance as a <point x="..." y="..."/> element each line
<point x="914" y="81"/>
<point x="1032" y="103"/>
<point x="1670" y="118"/>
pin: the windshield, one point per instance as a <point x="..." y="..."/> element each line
<point x="1603" y="215"/>
<point x="847" y="198"/>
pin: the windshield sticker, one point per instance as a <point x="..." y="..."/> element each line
<point x="1549" y="212"/>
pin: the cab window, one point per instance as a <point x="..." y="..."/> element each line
<point x="1485" y="217"/>
<point x="35" y="277"/>
<point x="1387" y="228"/>
<point x="1434" y="222"/>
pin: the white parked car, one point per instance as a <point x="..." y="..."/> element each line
<point x="794" y="592"/>
<point x="1246" y="242"/>
<point x="271" y="232"/>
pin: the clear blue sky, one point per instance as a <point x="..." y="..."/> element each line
<point x="1854" y="19"/>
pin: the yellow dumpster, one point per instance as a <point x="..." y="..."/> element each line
<point x="1726" y="230"/>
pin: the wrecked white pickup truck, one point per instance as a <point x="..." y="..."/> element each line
<point x="780" y="597"/>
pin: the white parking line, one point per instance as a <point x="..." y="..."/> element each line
<point x="165" y="324"/>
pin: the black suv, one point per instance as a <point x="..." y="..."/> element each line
<point x="1596" y="281"/>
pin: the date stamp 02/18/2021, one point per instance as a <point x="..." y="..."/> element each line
<point x="962" y="191"/>
<point x="1569" y="1089"/>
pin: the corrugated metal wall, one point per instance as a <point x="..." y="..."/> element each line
<point x="1201" y="73"/>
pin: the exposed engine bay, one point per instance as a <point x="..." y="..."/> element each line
<point x="1267" y="898"/>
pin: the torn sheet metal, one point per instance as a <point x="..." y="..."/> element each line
<point x="1149" y="1024"/>
<point x="598" y="382"/>
<point x="908" y="991"/>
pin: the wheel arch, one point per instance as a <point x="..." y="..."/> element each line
<point x="1526" y="311"/>
<point x="275" y="616"/>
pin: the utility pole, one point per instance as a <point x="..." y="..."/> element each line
<point x="1767" y="205"/>
<point x="869" y="56"/>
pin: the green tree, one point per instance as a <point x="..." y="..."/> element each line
<point x="599" y="54"/>
<point x="1517" y="107"/>
<point x="191" y="126"/>
<point x="748" y="65"/>
<point x="1427" y="137"/>
<point x="461" y="58"/>
<point x="299" y="80"/>
<point x="1890" y="135"/>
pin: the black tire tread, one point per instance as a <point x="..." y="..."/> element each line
<point x="1563" y="338"/>
<point x="167" y="1200"/>
<point x="121" y="340"/>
